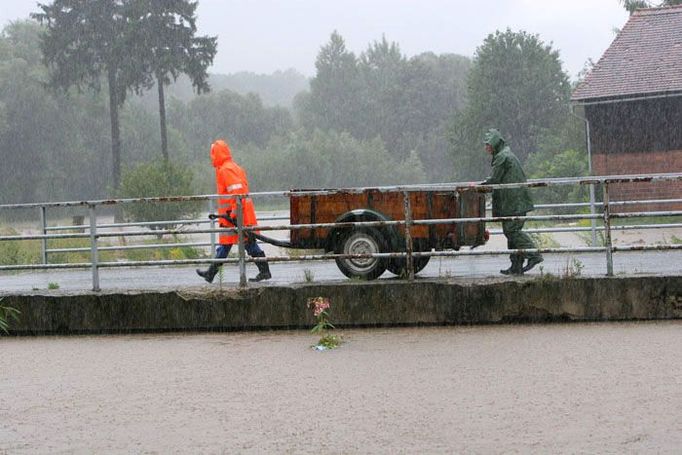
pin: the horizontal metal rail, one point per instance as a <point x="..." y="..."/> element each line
<point x="533" y="183"/>
<point x="616" y="203"/>
<point x="131" y="247"/>
<point x="149" y="223"/>
<point x="324" y="257"/>
<point x="634" y="227"/>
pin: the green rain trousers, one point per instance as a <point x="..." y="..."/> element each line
<point x="517" y="239"/>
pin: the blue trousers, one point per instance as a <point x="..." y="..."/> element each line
<point x="252" y="249"/>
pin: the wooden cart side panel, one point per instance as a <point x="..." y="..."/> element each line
<point x="444" y="205"/>
<point x="472" y="205"/>
<point x="327" y="208"/>
<point x="299" y="213"/>
<point x="389" y="203"/>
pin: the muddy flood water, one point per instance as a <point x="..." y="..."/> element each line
<point x="574" y="388"/>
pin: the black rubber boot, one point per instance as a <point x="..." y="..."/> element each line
<point x="516" y="267"/>
<point x="532" y="262"/>
<point x="263" y="270"/>
<point x="209" y="273"/>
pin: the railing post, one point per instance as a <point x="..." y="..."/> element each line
<point x="211" y="209"/>
<point x="409" y="260"/>
<point x="607" y="232"/>
<point x="240" y="239"/>
<point x="43" y="226"/>
<point x="93" y="248"/>
<point x="593" y="221"/>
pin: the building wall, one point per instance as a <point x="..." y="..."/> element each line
<point x="640" y="137"/>
<point x="636" y="126"/>
<point x="642" y="163"/>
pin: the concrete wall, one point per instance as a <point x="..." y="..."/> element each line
<point x="353" y="304"/>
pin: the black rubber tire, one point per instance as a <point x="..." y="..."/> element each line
<point x="398" y="266"/>
<point x="361" y="241"/>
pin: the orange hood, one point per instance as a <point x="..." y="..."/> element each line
<point x="220" y="153"/>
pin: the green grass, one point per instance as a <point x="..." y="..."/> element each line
<point x="308" y="275"/>
<point x="544" y="240"/>
<point x="615" y="221"/>
<point x="158" y="254"/>
<point x="16" y="252"/>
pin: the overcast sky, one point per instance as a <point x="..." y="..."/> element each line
<point x="268" y="35"/>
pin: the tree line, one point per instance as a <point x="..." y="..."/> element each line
<point x="375" y="118"/>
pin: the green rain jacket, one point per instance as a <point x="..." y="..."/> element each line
<point x="507" y="169"/>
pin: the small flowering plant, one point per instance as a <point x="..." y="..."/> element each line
<point x="320" y="307"/>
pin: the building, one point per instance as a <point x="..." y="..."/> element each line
<point x="632" y="101"/>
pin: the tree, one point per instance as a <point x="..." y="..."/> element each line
<point x="516" y="84"/>
<point x="225" y="114"/>
<point x="50" y="144"/>
<point x="633" y="5"/>
<point x="434" y="90"/>
<point x="325" y="159"/>
<point x="23" y="112"/>
<point x="276" y="89"/>
<point x="383" y="70"/>
<point x="167" y="28"/>
<point x="334" y="90"/>
<point x="407" y="103"/>
<point x="561" y="153"/>
<point x="85" y="40"/>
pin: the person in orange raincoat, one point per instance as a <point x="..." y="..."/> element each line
<point x="231" y="180"/>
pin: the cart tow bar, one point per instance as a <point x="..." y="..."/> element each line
<point x="262" y="238"/>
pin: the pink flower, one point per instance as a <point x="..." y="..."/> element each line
<point x="318" y="305"/>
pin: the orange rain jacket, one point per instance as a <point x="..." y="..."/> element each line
<point x="231" y="180"/>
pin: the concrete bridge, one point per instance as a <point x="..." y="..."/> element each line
<point x="443" y="301"/>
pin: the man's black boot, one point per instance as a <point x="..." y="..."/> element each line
<point x="516" y="267"/>
<point x="208" y="274"/>
<point x="532" y="262"/>
<point x="263" y="270"/>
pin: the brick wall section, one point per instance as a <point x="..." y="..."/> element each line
<point x="641" y="163"/>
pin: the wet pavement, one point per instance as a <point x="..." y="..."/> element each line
<point x="573" y="388"/>
<point x="165" y="278"/>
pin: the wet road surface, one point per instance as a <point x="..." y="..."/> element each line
<point x="164" y="278"/>
<point x="574" y="388"/>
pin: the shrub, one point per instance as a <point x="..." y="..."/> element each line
<point x="569" y="163"/>
<point x="159" y="179"/>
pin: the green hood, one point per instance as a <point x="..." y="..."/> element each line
<point x="495" y="139"/>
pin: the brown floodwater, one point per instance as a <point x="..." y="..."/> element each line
<point x="574" y="388"/>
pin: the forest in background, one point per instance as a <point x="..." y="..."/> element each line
<point x="375" y="118"/>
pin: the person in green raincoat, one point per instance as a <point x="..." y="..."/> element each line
<point x="511" y="202"/>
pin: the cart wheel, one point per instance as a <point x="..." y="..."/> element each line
<point x="361" y="241"/>
<point x="398" y="266"/>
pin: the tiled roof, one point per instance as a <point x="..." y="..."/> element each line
<point x="645" y="58"/>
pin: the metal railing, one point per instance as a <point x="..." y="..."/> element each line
<point x="95" y="232"/>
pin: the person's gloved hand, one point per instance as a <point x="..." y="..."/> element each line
<point x="224" y="218"/>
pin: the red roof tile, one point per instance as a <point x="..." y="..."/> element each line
<point x="645" y="58"/>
